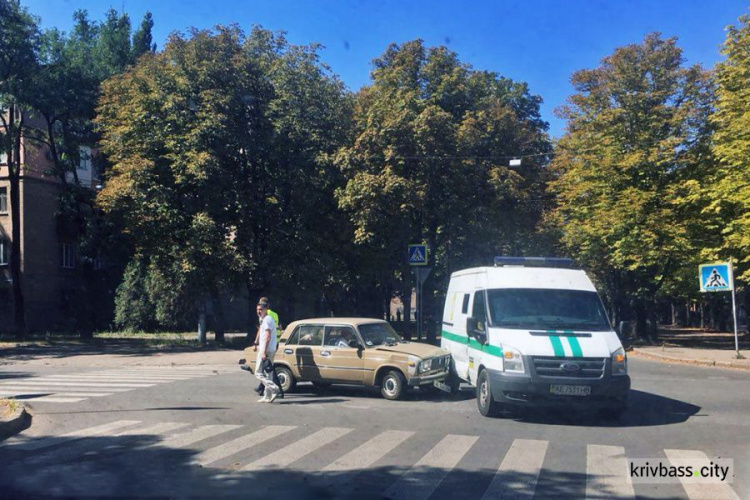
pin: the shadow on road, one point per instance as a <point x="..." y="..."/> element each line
<point x="139" y="466"/>
<point x="644" y="409"/>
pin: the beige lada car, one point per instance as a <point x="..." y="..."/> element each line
<point x="358" y="351"/>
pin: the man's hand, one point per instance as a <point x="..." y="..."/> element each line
<point x="255" y="348"/>
<point x="263" y="356"/>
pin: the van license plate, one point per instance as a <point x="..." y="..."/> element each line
<point x="570" y="390"/>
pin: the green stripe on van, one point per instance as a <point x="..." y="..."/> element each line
<point x="575" y="347"/>
<point x="455" y="338"/>
<point x="492" y="350"/>
<point x="557" y="345"/>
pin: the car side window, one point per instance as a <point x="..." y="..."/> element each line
<point x="478" y="311"/>
<point x="338" y="336"/>
<point x="311" y="335"/>
<point x="294" y="337"/>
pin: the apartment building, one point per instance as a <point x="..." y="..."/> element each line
<point x="55" y="286"/>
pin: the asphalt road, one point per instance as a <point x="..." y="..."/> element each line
<point x="198" y="431"/>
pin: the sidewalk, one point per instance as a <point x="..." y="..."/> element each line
<point x="697" y="347"/>
<point x="118" y="352"/>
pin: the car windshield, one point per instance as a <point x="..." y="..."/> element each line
<point x="546" y="309"/>
<point x="375" y="334"/>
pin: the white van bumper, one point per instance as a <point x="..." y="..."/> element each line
<point x="549" y="389"/>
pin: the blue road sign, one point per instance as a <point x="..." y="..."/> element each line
<point x="417" y="255"/>
<point x="716" y="277"/>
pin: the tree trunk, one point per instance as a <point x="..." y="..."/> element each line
<point x="218" y="315"/>
<point x="406" y="288"/>
<point x="14" y="176"/>
<point x="653" y="323"/>
<point x="641" y="319"/>
<point x="202" y="326"/>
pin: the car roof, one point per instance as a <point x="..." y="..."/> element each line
<point x="338" y="321"/>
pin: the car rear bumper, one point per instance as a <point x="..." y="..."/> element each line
<point x="524" y="391"/>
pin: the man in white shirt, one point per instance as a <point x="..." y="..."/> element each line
<point x="266" y="350"/>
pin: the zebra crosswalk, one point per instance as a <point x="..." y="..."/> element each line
<point x="76" y="387"/>
<point x="524" y="464"/>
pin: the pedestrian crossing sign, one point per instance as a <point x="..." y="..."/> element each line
<point x="418" y="255"/>
<point x="716" y="277"/>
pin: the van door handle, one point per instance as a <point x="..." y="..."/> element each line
<point x="288" y="351"/>
<point x="325" y="353"/>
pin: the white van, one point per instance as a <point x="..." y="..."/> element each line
<point x="533" y="331"/>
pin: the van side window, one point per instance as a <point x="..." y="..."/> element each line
<point x="478" y="311"/>
<point x="465" y="306"/>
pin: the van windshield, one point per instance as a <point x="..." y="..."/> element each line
<point x="546" y="309"/>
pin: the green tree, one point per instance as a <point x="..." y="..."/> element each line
<point x="729" y="186"/>
<point x="627" y="170"/>
<point x="142" y="39"/>
<point x="177" y="128"/>
<point x="429" y="163"/>
<point x="18" y="65"/>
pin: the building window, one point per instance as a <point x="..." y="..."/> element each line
<point x="3" y="200"/>
<point x="3" y="158"/>
<point x="68" y="256"/>
<point x="99" y="263"/>
<point x="4" y="251"/>
<point x="85" y="155"/>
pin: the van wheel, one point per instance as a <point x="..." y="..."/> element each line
<point x="286" y="378"/>
<point x="392" y="385"/>
<point x="488" y="407"/>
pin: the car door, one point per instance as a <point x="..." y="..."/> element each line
<point x="339" y="363"/>
<point x="306" y="352"/>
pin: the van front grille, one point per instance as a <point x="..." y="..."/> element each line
<point x="580" y="368"/>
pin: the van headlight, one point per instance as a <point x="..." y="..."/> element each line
<point x="619" y="362"/>
<point x="512" y="360"/>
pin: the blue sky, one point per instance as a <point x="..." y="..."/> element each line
<point x="539" y="42"/>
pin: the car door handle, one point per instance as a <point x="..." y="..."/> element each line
<point x="288" y="351"/>
<point x="325" y="353"/>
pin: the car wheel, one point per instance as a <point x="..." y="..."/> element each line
<point x="392" y="385"/>
<point x="286" y="378"/>
<point x="487" y="405"/>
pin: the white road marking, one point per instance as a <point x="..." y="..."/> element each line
<point x="298" y="449"/>
<point x="20" y="383"/>
<point x="46" y="442"/>
<point x="235" y="446"/>
<point x="367" y="454"/>
<point x="518" y="473"/>
<point x="55" y="399"/>
<point x="700" y="491"/>
<point x="427" y="474"/>
<point x="61" y="394"/>
<point x="204" y="432"/>
<point x="47" y="389"/>
<point x="607" y="473"/>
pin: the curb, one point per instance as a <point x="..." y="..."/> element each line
<point x="14" y="424"/>
<point x="699" y="362"/>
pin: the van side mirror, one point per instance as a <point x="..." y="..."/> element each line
<point x="471" y="327"/>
